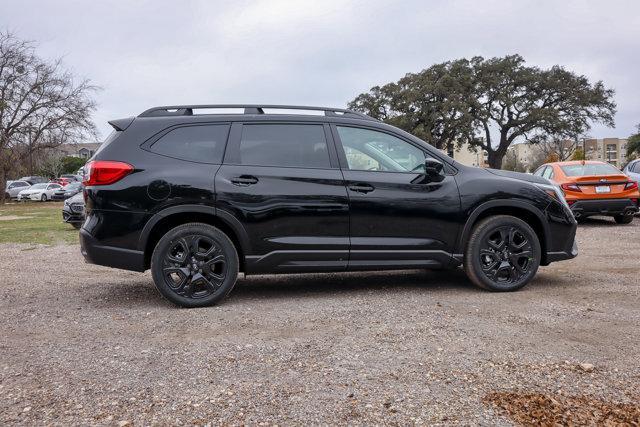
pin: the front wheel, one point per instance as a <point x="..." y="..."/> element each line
<point x="43" y="198"/>
<point x="503" y="253"/>
<point x="194" y="265"/>
<point x="623" y="219"/>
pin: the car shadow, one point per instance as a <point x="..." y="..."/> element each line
<point x="597" y="221"/>
<point x="142" y="293"/>
<point x="314" y="285"/>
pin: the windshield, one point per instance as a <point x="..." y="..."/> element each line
<point x="38" y="186"/>
<point x="590" y="169"/>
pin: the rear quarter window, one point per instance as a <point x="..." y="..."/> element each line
<point x="196" y="143"/>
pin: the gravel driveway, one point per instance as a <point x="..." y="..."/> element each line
<point x="83" y="344"/>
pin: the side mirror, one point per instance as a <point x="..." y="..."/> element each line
<point x="433" y="172"/>
<point x="433" y="168"/>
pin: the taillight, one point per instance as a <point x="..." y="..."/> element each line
<point x="571" y="187"/>
<point x="105" y="172"/>
<point x="631" y="185"/>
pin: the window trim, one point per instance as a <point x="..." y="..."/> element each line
<point x="232" y="154"/>
<point x="146" y="146"/>
<point x="344" y="164"/>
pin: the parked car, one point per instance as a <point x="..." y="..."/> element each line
<point x="198" y="197"/>
<point x="41" y="192"/>
<point x="34" y="179"/>
<point x="632" y="170"/>
<point x="72" y="177"/>
<point x="62" y="181"/>
<point x="14" y="187"/>
<point x="594" y="188"/>
<point x="73" y="210"/>
<point x="69" y="191"/>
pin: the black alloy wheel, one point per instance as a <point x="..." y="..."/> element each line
<point x="503" y="253"/>
<point x="194" y="265"/>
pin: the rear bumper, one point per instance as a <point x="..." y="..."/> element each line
<point x="582" y="208"/>
<point x="563" y="255"/>
<point x="109" y="256"/>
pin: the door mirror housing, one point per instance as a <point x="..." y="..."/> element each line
<point x="433" y="168"/>
<point x="433" y="172"/>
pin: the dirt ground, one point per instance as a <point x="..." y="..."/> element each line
<point x="82" y="344"/>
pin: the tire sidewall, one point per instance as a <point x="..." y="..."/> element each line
<point x="227" y="248"/>
<point x="472" y="255"/>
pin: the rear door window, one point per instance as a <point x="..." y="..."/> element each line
<point x="197" y="143"/>
<point x="284" y="145"/>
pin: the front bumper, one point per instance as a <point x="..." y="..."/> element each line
<point x="607" y="207"/>
<point x="70" y="216"/>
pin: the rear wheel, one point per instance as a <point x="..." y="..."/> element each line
<point x="194" y="265"/>
<point x="503" y="254"/>
<point x="623" y="219"/>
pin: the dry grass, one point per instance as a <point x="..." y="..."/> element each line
<point x="553" y="410"/>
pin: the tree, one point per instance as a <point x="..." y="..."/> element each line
<point x="489" y="103"/>
<point x="52" y="165"/>
<point x="563" y="148"/>
<point x="512" y="163"/>
<point x="578" y="154"/>
<point x="41" y="105"/>
<point x="633" y="145"/>
<point x="71" y="164"/>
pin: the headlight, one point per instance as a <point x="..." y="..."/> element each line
<point x="554" y="191"/>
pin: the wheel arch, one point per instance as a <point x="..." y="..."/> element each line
<point x="172" y="217"/>
<point x="522" y="210"/>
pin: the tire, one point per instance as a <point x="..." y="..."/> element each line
<point x="623" y="219"/>
<point x="77" y="225"/>
<point x="503" y="254"/>
<point x="43" y="198"/>
<point x="183" y="267"/>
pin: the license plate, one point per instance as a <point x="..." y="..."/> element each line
<point x="603" y="189"/>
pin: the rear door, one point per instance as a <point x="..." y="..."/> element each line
<point x="282" y="182"/>
<point x="396" y="219"/>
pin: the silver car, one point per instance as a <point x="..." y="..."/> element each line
<point x="632" y="170"/>
<point x="14" y="187"/>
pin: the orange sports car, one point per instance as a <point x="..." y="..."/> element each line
<point x="594" y="188"/>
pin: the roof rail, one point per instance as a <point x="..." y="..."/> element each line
<point x="187" y="110"/>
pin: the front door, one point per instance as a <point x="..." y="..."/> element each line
<point x="282" y="182"/>
<point x="397" y="220"/>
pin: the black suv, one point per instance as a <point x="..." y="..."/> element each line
<point x="199" y="193"/>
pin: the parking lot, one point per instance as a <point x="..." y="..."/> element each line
<point x="84" y="344"/>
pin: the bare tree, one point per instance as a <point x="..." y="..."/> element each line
<point x="41" y="105"/>
<point x="562" y="148"/>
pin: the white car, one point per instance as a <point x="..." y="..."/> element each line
<point x="41" y="192"/>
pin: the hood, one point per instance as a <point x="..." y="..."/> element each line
<point x="520" y="176"/>
<point x="77" y="198"/>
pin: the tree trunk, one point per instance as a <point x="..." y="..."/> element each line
<point x="495" y="159"/>
<point x="3" y="183"/>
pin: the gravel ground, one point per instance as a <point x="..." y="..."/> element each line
<point x="83" y="344"/>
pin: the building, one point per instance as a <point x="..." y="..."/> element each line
<point x="85" y="150"/>
<point x="469" y="156"/>
<point x="612" y="150"/>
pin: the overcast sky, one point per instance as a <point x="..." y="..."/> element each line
<point x="148" y="53"/>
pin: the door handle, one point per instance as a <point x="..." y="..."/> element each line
<point x="361" y="188"/>
<point x="244" y="180"/>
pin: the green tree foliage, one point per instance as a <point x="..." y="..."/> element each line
<point x="489" y="103"/>
<point x="71" y="164"/>
<point x="633" y="145"/>
<point x="578" y="154"/>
